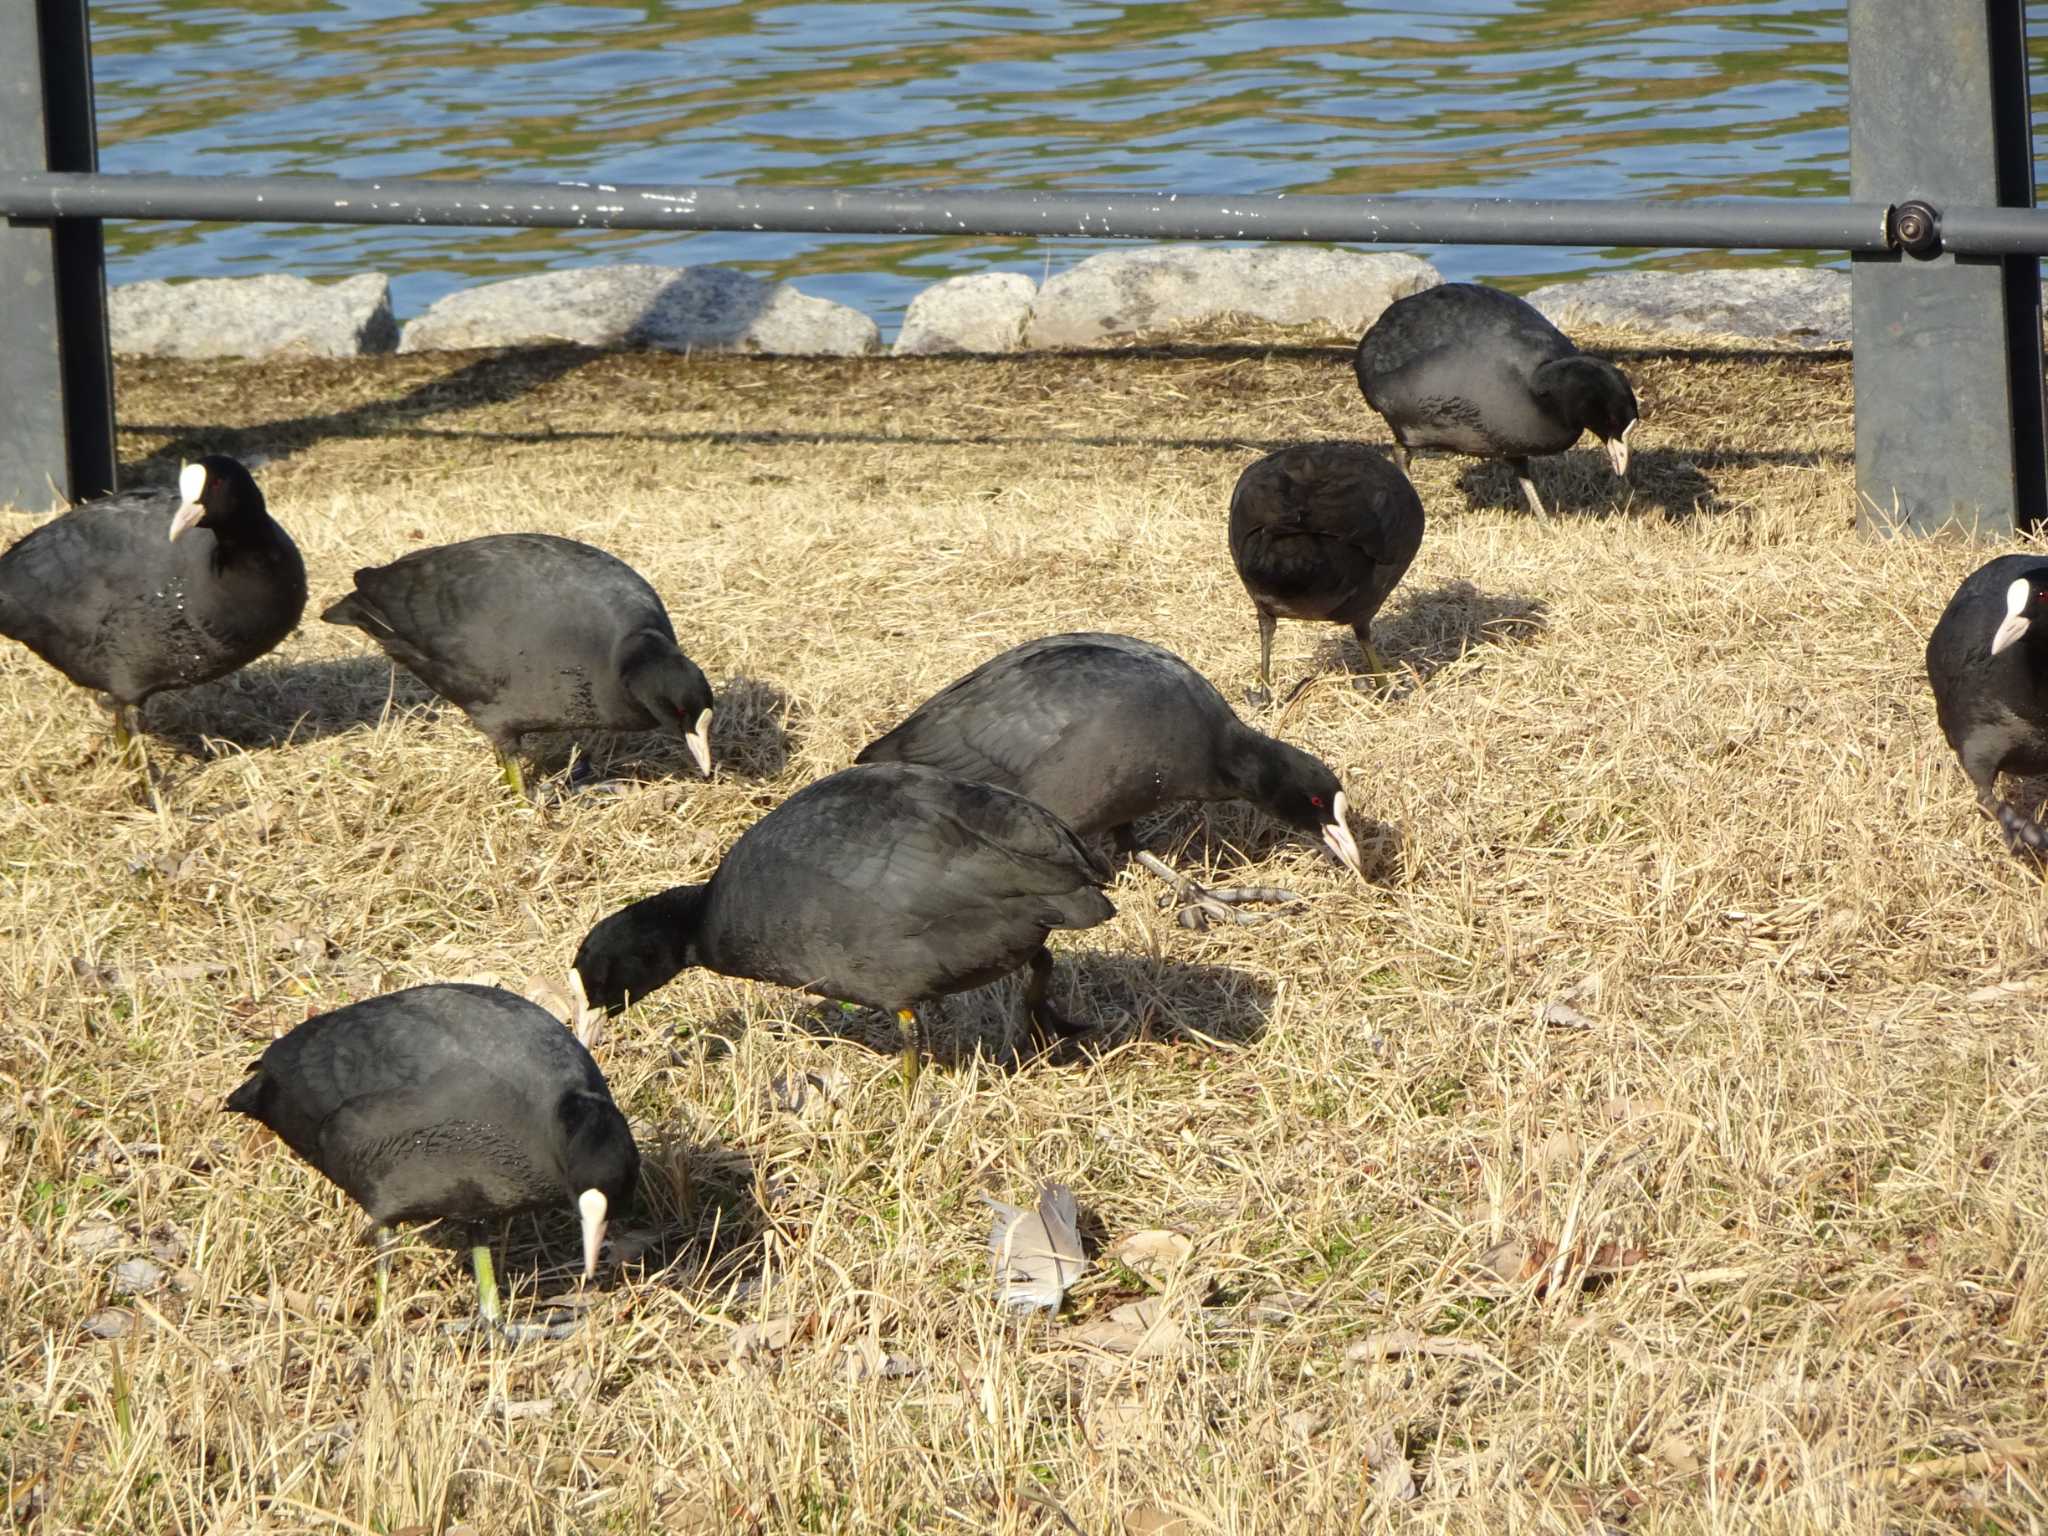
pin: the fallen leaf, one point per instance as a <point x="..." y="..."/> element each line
<point x="868" y="1361"/>
<point x="1143" y="1330"/>
<point x="1518" y="1262"/>
<point x="1037" y="1253"/>
<point x="808" y="1095"/>
<point x="512" y="1413"/>
<point x="109" y="1323"/>
<point x="193" y="970"/>
<point x="1557" y="1014"/>
<point x="1676" y="1452"/>
<point x="1281" y="1306"/>
<point x="1634" y="1109"/>
<point x="2005" y="991"/>
<point x="1151" y="1520"/>
<point x="552" y="996"/>
<point x="1153" y="1256"/>
<point x="1392" y="1477"/>
<point x="1406" y="1341"/>
<point x="137" y="1277"/>
<point x="767" y="1337"/>
<point x="94" y="1238"/>
<point x="1118" y="1423"/>
<point x="1304" y="1423"/>
<point x="93" y="974"/>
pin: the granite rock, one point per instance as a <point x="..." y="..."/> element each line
<point x="1159" y="288"/>
<point x="269" y="316"/>
<point x="669" y="309"/>
<point x="981" y="312"/>
<point x="1808" y="306"/>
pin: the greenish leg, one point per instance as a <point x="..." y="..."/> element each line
<point x="1262" y="695"/>
<point x="486" y="1283"/>
<point x="127" y="722"/>
<point x="913" y="1051"/>
<point x="508" y="764"/>
<point x="385" y="1243"/>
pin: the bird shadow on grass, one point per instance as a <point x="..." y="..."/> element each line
<point x="1229" y="842"/>
<point x="1580" y="484"/>
<point x="748" y="741"/>
<point x="1440" y="625"/>
<point x="280" y="703"/>
<point x="694" y="1224"/>
<point x="751" y="728"/>
<point x="1112" y="998"/>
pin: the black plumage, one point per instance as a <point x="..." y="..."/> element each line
<point x="1473" y="370"/>
<point x="1322" y="531"/>
<point x="883" y="884"/>
<point x="150" y="590"/>
<point x="531" y="632"/>
<point x="1987" y="662"/>
<point x="1103" y="729"/>
<point x="453" y="1101"/>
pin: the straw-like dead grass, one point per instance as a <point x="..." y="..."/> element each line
<point x="1748" y="1235"/>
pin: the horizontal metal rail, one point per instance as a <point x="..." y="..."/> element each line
<point x="1773" y="223"/>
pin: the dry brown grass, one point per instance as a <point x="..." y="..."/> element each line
<point x="1669" y="758"/>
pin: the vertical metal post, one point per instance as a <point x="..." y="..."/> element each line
<point x="56" y="379"/>
<point x="1949" y="422"/>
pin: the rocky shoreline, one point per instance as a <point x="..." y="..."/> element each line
<point x="1100" y="301"/>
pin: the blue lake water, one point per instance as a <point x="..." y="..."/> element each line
<point x="1583" y="98"/>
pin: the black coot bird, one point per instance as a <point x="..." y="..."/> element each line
<point x="883" y="885"/>
<point x="1103" y="729"/>
<point x="530" y="632"/>
<point x="1474" y="370"/>
<point x="146" y="591"/>
<point x="454" y="1101"/>
<point x="1988" y="663"/>
<point x="1322" y="531"/>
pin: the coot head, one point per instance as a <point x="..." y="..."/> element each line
<point x="214" y="492"/>
<point x="1302" y="791"/>
<point x="600" y="1164"/>
<point x="1596" y="394"/>
<point x="2026" y="603"/>
<point x="672" y="688"/>
<point x="639" y="947"/>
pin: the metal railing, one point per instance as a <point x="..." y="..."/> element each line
<point x="1947" y="303"/>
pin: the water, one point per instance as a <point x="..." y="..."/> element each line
<point x="1514" y="97"/>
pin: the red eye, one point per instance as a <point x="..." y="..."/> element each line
<point x="1316" y="801"/>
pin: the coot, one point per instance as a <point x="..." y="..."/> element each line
<point x="451" y="1101"/>
<point x="147" y="590"/>
<point x="1471" y="369"/>
<point x="884" y="885"/>
<point x="1988" y="663"/>
<point x="1322" y="531"/>
<point x="531" y="632"/>
<point x="1103" y="729"/>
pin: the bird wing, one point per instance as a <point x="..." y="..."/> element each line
<point x="432" y="1147"/>
<point x="64" y="577"/>
<point x="995" y="724"/>
<point x="442" y="621"/>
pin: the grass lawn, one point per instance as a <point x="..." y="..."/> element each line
<point x="1656" y="1142"/>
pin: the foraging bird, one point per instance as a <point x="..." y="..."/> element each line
<point x="1102" y="729"/>
<point x="141" y="592"/>
<point x="1474" y="370"/>
<point x="530" y="632"/>
<point x="884" y="884"/>
<point x="448" y="1102"/>
<point x="1322" y="531"/>
<point x="1987" y="661"/>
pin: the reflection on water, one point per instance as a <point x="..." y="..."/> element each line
<point x="1527" y="97"/>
